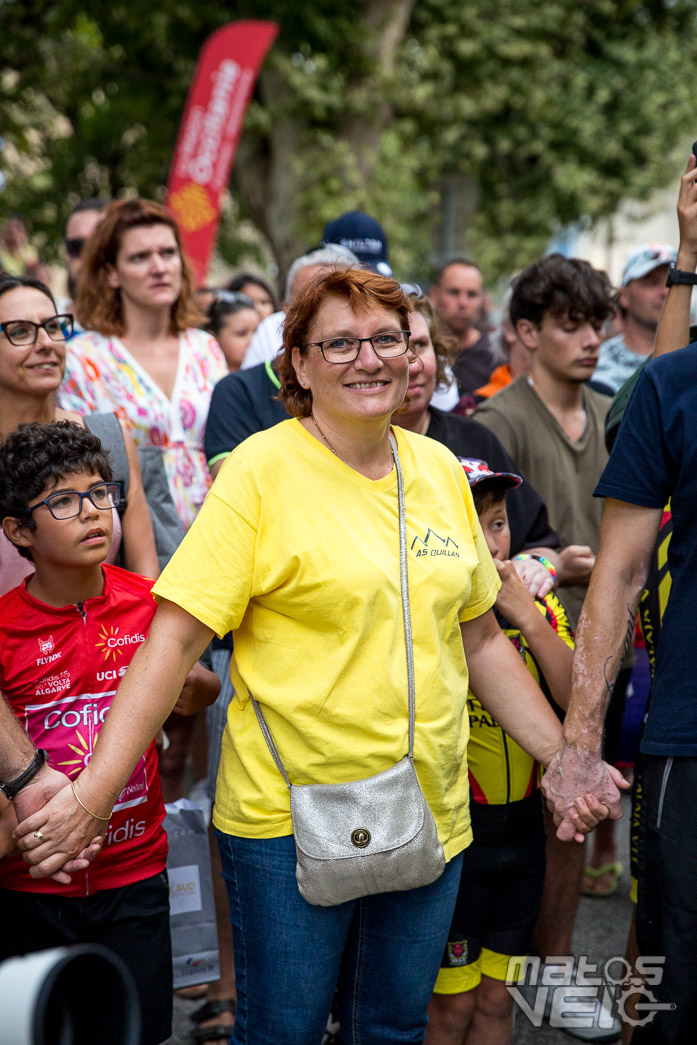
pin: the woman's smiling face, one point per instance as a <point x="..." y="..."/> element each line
<point x="30" y="369"/>
<point x="368" y="387"/>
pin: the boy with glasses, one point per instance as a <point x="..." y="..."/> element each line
<point x="67" y="636"/>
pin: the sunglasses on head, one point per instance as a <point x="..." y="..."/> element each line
<point x="234" y="297"/>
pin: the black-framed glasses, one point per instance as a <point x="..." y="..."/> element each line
<point x="68" y="503"/>
<point x="25" y="332"/>
<point x="73" y="247"/>
<point x="388" y="345"/>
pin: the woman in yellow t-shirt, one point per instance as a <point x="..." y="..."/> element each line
<point x="296" y="550"/>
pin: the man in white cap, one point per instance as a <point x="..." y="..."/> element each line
<point x="641" y="297"/>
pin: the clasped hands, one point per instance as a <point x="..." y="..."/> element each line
<point x="55" y="835"/>
<point x="581" y="790"/>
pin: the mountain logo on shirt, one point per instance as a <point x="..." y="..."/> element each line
<point x="434" y="544"/>
<point x="111" y="642"/>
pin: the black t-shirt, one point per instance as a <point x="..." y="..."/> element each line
<point x="527" y="515"/>
<point x="242" y="403"/>
<point x="653" y="461"/>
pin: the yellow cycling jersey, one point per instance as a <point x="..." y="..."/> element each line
<point x="499" y="770"/>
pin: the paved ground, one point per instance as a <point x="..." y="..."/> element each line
<point x="601" y="933"/>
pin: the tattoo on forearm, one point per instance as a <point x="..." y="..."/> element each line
<point x="626" y="645"/>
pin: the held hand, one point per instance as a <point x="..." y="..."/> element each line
<point x="200" y="690"/>
<point x="575" y="564"/>
<point x="514" y="600"/>
<point x="47" y="783"/>
<point x="687" y="216"/>
<point x="575" y="774"/>
<point x="586" y="814"/>
<point x="68" y="837"/>
<point x="536" y="577"/>
<point x="33" y="797"/>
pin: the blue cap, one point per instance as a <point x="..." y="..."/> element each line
<point x="646" y="258"/>
<point x="364" y="236"/>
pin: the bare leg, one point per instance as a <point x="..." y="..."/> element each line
<point x="492" y="1023"/>
<point x="604" y="852"/>
<point x="555" y="923"/>
<point x="449" y="1018"/>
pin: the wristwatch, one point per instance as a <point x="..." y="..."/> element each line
<point x="10" y="788"/>
<point x="676" y="275"/>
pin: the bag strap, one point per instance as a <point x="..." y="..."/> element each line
<point x="404" y="584"/>
<point x="269" y="740"/>
<point x="406" y="613"/>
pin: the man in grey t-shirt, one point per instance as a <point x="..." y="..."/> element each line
<point x="640" y="300"/>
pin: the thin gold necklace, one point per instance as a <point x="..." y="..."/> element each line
<point x="323" y="435"/>
<point x="332" y="448"/>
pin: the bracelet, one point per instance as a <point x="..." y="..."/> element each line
<point x="77" y="799"/>
<point x="10" y="788"/>
<point x="549" y="566"/>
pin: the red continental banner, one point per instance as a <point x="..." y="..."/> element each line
<point x="227" y="70"/>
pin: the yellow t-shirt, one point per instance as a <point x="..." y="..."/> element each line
<point x="298" y="555"/>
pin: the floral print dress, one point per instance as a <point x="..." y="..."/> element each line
<point x="102" y="375"/>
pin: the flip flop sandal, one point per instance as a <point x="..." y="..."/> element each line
<point x="215" y="1031"/>
<point x="613" y="870"/>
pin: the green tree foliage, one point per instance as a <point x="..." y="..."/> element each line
<point x="531" y="113"/>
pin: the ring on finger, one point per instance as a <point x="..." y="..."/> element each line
<point x="39" y="835"/>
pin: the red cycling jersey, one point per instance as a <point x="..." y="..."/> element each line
<point x="59" y="669"/>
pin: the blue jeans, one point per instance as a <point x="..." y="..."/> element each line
<point x="383" y="952"/>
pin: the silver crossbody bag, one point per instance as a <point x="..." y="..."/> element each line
<point x="367" y="836"/>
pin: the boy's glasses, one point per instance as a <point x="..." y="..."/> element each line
<point x="68" y="504"/>
<point x="25" y="332"/>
